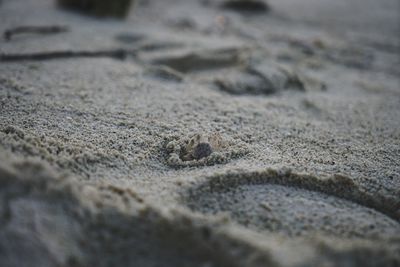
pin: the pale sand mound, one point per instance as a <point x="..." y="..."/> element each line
<point x="197" y="134"/>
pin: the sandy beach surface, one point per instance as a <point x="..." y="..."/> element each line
<point x="193" y="133"/>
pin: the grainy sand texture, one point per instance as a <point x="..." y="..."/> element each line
<point x="201" y="133"/>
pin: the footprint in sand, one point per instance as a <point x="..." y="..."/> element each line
<point x="290" y="208"/>
<point x="264" y="79"/>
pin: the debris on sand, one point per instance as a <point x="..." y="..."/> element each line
<point x="248" y="6"/>
<point x="99" y="8"/>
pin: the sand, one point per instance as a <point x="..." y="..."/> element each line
<point x="194" y="134"/>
